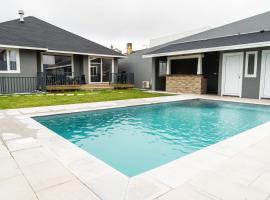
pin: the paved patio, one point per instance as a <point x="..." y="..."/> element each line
<point x="36" y="163"/>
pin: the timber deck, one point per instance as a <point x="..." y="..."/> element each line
<point x="88" y="87"/>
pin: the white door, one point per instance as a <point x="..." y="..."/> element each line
<point x="232" y="69"/>
<point x="265" y="75"/>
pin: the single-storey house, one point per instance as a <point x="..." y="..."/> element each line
<point x="31" y="48"/>
<point x="233" y="60"/>
<point x="229" y="60"/>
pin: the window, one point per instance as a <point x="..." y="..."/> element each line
<point x="106" y="69"/>
<point x="251" y="64"/>
<point x="94" y="71"/>
<point x="9" y="61"/>
<point x="95" y="60"/>
<point x="162" y="68"/>
<point x="57" y="64"/>
<point x="3" y="60"/>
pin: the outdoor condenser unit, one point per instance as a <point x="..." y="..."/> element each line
<point x="146" y="84"/>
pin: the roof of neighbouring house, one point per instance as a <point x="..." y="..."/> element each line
<point x="36" y="33"/>
<point x="215" y="44"/>
<point x="173" y="37"/>
<point x="247" y="31"/>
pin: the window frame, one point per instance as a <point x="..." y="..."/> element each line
<point x="255" y="53"/>
<point x="58" y="54"/>
<point x="18" y="64"/>
<point x="165" y="63"/>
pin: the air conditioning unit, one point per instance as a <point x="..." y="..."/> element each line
<point x="146" y="84"/>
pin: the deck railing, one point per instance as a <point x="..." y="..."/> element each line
<point x="61" y="79"/>
<point x="9" y="85"/>
<point x="49" y="79"/>
<point x="122" y="78"/>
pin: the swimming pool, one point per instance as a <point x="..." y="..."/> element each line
<point x="139" y="138"/>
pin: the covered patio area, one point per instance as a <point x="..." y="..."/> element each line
<point x="196" y="73"/>
<point x="72" y="72"/>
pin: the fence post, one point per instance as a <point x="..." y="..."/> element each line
<point x="44" y="81"/>
<point x="1" y="85"/>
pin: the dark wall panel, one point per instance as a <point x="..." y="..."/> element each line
<point x="210" y="69"/>
<point x="160" y="80"/>
<point x="184" y="66"/>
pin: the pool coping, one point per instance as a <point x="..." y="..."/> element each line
<point x="108" y="183"/>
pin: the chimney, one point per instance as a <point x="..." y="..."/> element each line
<point x="21" y="13"/>
<point x="129" y="48"/>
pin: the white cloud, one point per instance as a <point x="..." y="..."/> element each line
<point x="119" y="21"/>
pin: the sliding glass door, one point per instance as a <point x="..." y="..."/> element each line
<point x="100" y="69"/>
<point x="107" y="68"/>
<point x="95" y="70"/>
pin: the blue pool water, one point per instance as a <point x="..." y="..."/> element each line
<point x="136" y="139"/>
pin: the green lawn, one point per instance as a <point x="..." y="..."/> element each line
<point x="23" y="101"/>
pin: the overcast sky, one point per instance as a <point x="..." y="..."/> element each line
<point x="120" y="21"/>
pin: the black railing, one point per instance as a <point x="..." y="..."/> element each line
<point x="46" y="79"/>
<point x="95" y="78"/>
<point x="9" y="85"/>
<point x="122" y="78"/>
<point x="117" y="78"/>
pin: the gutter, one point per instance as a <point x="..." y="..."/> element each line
<point x="210" y="49"/>
<point x="57" y="51"/>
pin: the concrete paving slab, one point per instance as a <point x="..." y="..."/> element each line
<point x="71" y="190"/>
<point x="16" y="188"/>
<point x="46" y="174"/>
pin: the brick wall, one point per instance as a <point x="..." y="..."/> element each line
<point x="195" y="84"/>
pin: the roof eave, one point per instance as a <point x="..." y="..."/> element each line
<point x="86" y="53"/>
<point x="22" y="47"/>
<point x="211" y="49"/>
<point x="57" y="51"/>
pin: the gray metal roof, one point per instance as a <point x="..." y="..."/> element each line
<point x="216" y="42"/>
<point x="249" y="25"/>
<point x="34" y="32"/>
